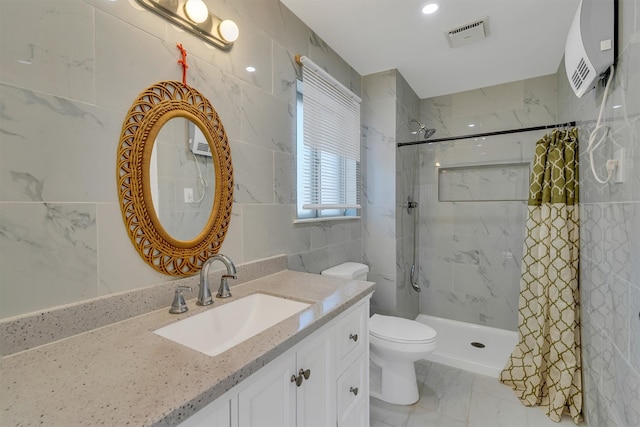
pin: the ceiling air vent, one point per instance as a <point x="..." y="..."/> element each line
<point x="468" y="33"/>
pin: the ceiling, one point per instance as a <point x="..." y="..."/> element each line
<point x="525" y="39"/>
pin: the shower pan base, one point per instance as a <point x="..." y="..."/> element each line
<point x="471" y="347"/>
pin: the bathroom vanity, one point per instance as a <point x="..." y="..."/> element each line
<point x="322" y="381"/>
<point x="310" y="369"/>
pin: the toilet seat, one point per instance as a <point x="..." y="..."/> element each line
<point x="399" y="330"/>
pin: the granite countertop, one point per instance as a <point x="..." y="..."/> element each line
<point x="123" y="373"/>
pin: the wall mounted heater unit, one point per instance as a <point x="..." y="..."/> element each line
<point x="590" y="48"/>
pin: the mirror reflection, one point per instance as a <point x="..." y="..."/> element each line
<point x="182" y="179"/>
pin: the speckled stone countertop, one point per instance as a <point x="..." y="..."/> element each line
<point x="124" y="374"/>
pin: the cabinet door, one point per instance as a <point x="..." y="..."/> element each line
<point x="315" y="401"/>
<point x="215" y="414"/>
<point x="269" y="401"/>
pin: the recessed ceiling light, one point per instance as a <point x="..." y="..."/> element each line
<point x="250" y="69"/>
<point x="471" y="125"/>
<point x="430" y="8"/>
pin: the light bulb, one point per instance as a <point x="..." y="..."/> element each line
<point x="228" y="30"/>
<point x="196" y="10"/>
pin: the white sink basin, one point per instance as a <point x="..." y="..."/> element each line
<point x="218" y="329"/>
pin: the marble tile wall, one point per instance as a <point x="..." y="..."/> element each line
<point x="379" y="235"/>
<point x="387" y="239"/>
<point x="69" y="71"/>
<point x="407" y="184"/>
<point x="610" y="236"/>
<point x="471" y="244"/>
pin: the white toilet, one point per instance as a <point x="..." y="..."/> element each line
<point x="395" y="343"/>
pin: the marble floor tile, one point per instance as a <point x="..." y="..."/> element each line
<point x="452" y="389"/>
<point x="451" y="397"/>
<point x="378" y="423"/>
<point x="485" y="385"/>
<point x="388" y="414"/>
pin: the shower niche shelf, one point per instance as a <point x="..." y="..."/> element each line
<point x="484" y="183"/>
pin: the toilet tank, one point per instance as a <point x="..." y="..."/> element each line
<point x="348" y="270"/>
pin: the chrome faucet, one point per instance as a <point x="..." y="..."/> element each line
<point x="204" y="292"/>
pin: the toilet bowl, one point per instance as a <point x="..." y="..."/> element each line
<point x="395" y="344"/>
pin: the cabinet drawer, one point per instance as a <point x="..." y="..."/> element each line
<point x="352" y="387"/>
<point x="352" y="336"/>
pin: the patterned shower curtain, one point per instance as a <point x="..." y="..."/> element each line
<point x="545" y="367"/>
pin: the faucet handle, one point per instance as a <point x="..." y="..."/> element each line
<point x="223" y="290"/>
<point x="179" y="305"/>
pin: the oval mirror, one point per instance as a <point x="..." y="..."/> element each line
<point x="159" y="114"/>
<point x="182" y="179"/>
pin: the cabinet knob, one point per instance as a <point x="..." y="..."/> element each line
<point x="297" y="380"/>
<point x="353" y="337"/>
<point x="305" y="373"/>
<point x="354" y="390"/>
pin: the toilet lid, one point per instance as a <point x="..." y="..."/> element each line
<point x="397" y="329"/>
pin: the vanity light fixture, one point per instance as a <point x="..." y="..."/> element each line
<point x="196" y="10"/>
<point x="194" y="17"/>
<point x="228" y="30"/>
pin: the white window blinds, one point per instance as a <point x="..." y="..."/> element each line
<point x="328" y="146"/>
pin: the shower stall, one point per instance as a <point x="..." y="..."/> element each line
<point x="471" y="202"/>
<point x="473" y="205"/>
<point x="460" y="203"/>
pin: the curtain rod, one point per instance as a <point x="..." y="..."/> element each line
<point x="479" y="135"/>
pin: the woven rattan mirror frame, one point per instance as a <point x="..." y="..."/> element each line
<point x="156" y="105"/>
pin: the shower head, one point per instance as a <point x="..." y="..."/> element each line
<point x="428" y="133"/>
<point x="420" y="129"/>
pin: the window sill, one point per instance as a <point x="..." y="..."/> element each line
<point x="327" y="219"/>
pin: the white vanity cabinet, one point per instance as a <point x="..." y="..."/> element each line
<point x="216" y="414"/>
<point x="336" y="359"/>
<point x="270" y="398"/>
<point x="352" y="379"/>
<point x="274" y="397"/>
<point x="314" y="397"/>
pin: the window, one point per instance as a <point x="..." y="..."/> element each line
<point x="328" y="147"/>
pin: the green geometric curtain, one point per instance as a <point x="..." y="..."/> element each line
<point x="545" y="367"/>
